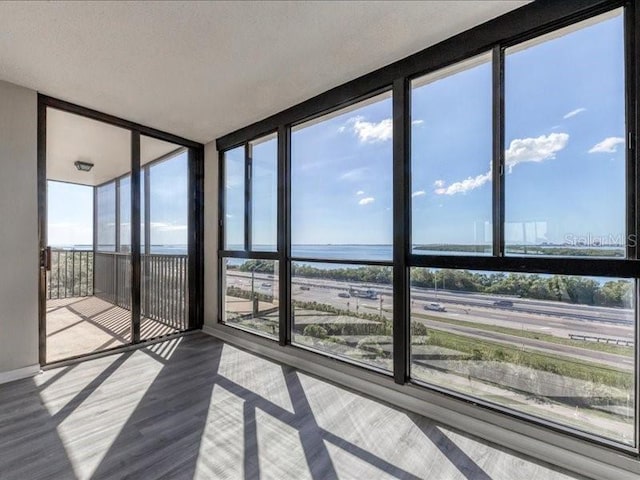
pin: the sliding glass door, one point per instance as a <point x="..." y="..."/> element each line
<point x="117" y="210"/>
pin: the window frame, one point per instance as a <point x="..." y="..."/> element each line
<point x="495" y="36"/>
<point x="247" y="253"/>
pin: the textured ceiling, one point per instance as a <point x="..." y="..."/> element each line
<point x="204" y="69"/>
<point x="71" y="138"/>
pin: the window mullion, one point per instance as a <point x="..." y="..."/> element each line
<point x="284" y="232"/>
<point x="247" y="197"/>
<point x="497" y="165"/>
<point x="401" y="229"/>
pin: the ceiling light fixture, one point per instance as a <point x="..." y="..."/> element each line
<point x="83" y="166"/>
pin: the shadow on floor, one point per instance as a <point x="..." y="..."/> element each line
<point x="163" y="435"/>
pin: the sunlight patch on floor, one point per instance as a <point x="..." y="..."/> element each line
<point x="267" y="381"/>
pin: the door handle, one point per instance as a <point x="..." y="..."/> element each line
<point x="45" y="258"/>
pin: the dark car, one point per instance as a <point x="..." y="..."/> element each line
<point x="503" y="303"/>
<point x="304" y="287"/>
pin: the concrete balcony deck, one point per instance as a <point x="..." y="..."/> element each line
<point x="84" y="325"/>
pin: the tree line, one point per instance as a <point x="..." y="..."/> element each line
<point x="561" y="288"/>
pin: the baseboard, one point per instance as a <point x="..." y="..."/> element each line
<point x="18" y="374"/>
<point x="578" y="456"/>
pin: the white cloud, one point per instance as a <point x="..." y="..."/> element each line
<point x="419" y="193"/>
<point x="353" y="175"/>
<point x="366" y="201"/>
<point x="417" y="122"/>
<point x="360" y="192"/>
<point x="369" y="132"/>
<point x="470" y="183"/>
<point x="538" y="149"/>
<point x="521" y="150"/>
<point x="167" y="227"/>
<point x="575" y="112"/>
<point x="608" y="145"/>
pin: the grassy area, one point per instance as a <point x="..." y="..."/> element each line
<point x="490" y="351"/>
<point x="545" y="337"/>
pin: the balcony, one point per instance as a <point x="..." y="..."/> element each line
<point x="88" y="300"/>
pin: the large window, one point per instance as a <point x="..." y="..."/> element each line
<point x="565" y="142"/>
<point x="556" y="346"/>
<point x="344" y="310"/>
<point x="234" y="201"/>
<point x="264" y="194"/>
<point x="106" y="217"/>
<point x="341" y="209"/>
<point x="341" y="185"/>
<point x="251" y="295"/>
<point x="451" y="152"/>
<point x="250" y="273"/>
<point x="471" y="230"/>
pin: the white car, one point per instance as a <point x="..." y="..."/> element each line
<point x="436" y="307"/>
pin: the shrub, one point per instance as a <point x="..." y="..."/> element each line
<point x="316" y="331"/>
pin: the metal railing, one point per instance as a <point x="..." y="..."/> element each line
<point x="107" y="275"/>
<point x="164" y="289"/>
<point x="71" y="274"/>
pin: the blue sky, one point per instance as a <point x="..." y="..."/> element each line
<point x="70" y="209"/>
<point x="341" y="173"/>
<point x="564" y="154"/>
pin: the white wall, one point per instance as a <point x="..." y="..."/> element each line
<point x="210" y="234"/>
<point x="18" y="229"/>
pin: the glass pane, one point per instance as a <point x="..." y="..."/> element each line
<point x="251" y="295"/>
<point x="164" y="194"/>
<point x="553" y="346"/>
<point x="234" y="199"/>
<point x="106" y="213"/>
<point x="264" y="194"/>
<point x="125" y="214"/>
<point x="341" y="184"/>
<point x="451" y="152"/>
<point x="88" y="289"/>
<point x="565" y="142"/>
<point x="344" y="310"/>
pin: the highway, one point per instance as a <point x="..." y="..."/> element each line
<point x="553" y="318"/>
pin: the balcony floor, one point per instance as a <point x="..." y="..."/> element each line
<point x="83" y="325"/>
<point x="195" y="407"/>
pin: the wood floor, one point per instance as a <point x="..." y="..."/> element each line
<point x="195" y="407"/>
<point x="83" y="325"/>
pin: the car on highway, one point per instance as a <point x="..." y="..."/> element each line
<point x="304" y="287"/>
<point x="434" y="306"/>
<point x="503" y="303"/>
<point x="344" y="295"/>
<point x="266" y="285"/>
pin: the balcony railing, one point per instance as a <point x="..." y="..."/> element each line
<point x="71" y="274"/>
<point x="107" y="275"/>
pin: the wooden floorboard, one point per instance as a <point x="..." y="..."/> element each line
<point x="194" y="407"/>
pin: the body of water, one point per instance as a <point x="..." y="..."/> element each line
<point x="160" y="249"/>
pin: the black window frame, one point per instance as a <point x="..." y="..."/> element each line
<point x="195" y="275"/>
<point x="495" y="36"/>
<point x="247" y="253"/>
